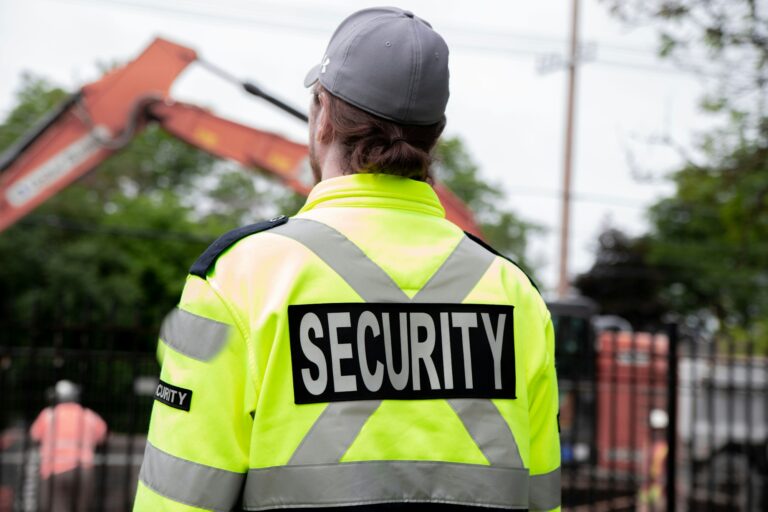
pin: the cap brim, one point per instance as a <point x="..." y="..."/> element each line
<point x="313" y="76"/>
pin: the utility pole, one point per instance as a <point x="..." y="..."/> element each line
<point x="563" y="284"/>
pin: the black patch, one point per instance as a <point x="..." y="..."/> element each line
<point x="206" y="260"/>
<point x="497" y="253"/>
<point x="178" y="398"/>
<point x="450" y="343"/>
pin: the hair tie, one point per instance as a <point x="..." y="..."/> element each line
<point x="395" y="140"/>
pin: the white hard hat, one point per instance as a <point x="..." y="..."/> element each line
<point x="66" y="391"/>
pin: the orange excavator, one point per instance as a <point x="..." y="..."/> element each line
<point x="104" y="116"/>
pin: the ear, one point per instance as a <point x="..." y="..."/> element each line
<point x="323" y="128"/>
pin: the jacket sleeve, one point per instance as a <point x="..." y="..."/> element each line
<point x="544" y="487"/>
<point x="199" y="435"/>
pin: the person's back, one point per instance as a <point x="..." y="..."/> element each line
<point x="394" y="250"/>
<point x="68" y="434"/>
<point x="365" y="353"/>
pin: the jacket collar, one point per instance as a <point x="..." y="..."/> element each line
<point x="375" y="191"/>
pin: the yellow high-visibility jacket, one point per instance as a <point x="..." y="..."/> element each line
<point x="365" y="351"/>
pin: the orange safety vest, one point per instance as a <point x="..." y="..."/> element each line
<point x="68" y="434"/>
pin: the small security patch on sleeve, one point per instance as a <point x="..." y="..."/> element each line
<point x="377" y="351"/>
<point x="172" y="396"/>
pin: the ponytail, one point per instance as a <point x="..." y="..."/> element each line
<point x="371" y="144"/>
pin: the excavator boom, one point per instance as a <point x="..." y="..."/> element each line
<point x="226" y="139"/>
<point x="86" y="129"/>
<point x="105" y="115"/>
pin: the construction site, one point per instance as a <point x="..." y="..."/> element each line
<point x="635" y="205"/>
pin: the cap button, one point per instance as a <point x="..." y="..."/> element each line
<point x="408" y="13"/>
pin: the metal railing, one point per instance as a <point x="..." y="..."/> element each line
<point x="110" y="355"/>
<point x="658" y="421"/>
<point x="623" y="446"/>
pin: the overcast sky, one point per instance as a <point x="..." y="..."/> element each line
<point x="509" y="111"/>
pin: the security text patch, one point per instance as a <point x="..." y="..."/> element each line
<point x="365" y="351"/>
<point x="173" y="396"/>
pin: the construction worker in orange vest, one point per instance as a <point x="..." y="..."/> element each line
<point x="68" y="434"/>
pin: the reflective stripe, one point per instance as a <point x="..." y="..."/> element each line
<point x="452" y="282"/>
<point x="334" y="432"/>
<point x="338" y="426"/>
<point x="489" y="430"/>
<point x="192" y="335"/>
<point x="362" y="483"/>
<point x="189" y="482"/>
<point x="345" y="258"/>
<point x="458" y="275"/>
<point x="545" y="491"/>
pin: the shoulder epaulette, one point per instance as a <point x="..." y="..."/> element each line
<point x="497" y="253"/>
<point x="206" y="260"/>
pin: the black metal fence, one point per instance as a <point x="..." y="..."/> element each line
<point x="623" y="445"/>
<point x="660" y="421"/>
<point x="110" y="355"/>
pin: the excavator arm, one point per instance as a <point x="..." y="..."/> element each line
<point x="86" y="129"/>
<point x="104" y="116"/>
<point x="226" y="139"/>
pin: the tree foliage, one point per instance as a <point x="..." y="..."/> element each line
<point x="724" y="41"/>
<point x="123" y="236"/>
<point x="624" y="282"/>
<point x="714" y="234"/>
<point x="709" y="239"/>
<point x="501" y="226"/>
<point x="705" y="255"/>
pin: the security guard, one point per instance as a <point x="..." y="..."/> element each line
<point x="366" y="353"/>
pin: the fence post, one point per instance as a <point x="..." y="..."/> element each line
<point x="672" y="391"/>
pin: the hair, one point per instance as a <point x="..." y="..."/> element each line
<point x="372" y="144"/>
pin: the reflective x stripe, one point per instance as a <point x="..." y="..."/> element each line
<point x="340" y="422"/>
<point x="190" y="483"/>
<point x="458" y="274"/>
<point x="192" y="335"/>
<point x="334" y="432"/>
<point x="545" y="491"/>
<point x="345" y="258"/>
<point x="363" y="483"/>
<point x="489" y="430"/>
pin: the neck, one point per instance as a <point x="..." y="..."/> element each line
<point x="330" y="164"/>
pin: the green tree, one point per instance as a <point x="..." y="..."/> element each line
<point x="724" y="41"/>
<point x="504" y="229"/>
<point x="709" y="237"/>
<point x="713" y="236"/>
<point x="624" y="282"/>
<point x="124" y="235"/>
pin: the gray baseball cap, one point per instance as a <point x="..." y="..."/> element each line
<point x="389" y="63"/>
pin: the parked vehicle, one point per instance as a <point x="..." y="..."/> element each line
<point x="617" y="408"/>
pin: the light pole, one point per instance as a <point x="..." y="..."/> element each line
<point x="563" y="282"/>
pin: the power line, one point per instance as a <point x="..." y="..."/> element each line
<point x="584" y="198"/>
<point x="624" y="202"/>
<point x="473" y="35"/>
<point x="312" y="15"/>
